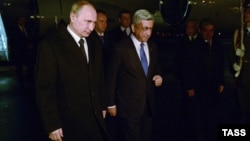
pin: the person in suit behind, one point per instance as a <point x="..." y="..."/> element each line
<point x="70" y="80"/>
<point x="186" y="42"/>
<point x="106" y="43"/>
<point x="101" y="35"/>
<point x="22" y="49"/>
<point x="124" y="29"/>
<point x="184" y="45"/>
<point x="203" y="79"/>
<point x="192" y="29"/>
<point x="61" y="24"/>
<point x="131" y="85"/>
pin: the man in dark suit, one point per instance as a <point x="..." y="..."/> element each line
<point x="22" y="51"/>
<point x="124" y="29"/>
<point x="203" y="77"/>
<point x="70" y="80"/>
<point x="131" y="83"/>
<point x="187" y="41"/>
<point x="106" y="42"/>
<point x="185" y="44"/>
<point x="101" y="36"/>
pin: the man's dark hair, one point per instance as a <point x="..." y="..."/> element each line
<point x="101" y="11"/>
<point x="206" y="22"/>
<point x="124" y="11"/>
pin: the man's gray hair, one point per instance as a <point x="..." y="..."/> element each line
<point x="142" y="14"/>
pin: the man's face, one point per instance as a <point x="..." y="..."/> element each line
<point x="21" y="21"/>
<point x="191" y="28"/>
<point x="143" y="30"/>
<point x="247" y="15"/>
<point x="207" y="32"/>
<point x="125" y="20"/>
<point x="83" y="22"/>
<point x="101" y="23"/>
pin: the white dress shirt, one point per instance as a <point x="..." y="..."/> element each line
<point x="127" y="30"/>
<point x="77" y="38"/>
<point x="137" y="44"/>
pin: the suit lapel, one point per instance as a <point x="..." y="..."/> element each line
<point x="150" y="51"/>
<point x="69" y="43"/>
<point x="90" y="50"/>
<point x="135" y="56"/>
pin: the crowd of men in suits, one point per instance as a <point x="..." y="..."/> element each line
<point x="103" y="88"/>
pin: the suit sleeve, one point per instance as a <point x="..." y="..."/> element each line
<point x="112" y="72"/>
<point x="46" y="76"/>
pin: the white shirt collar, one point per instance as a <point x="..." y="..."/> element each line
<point x="77" y="39"/>
<point x="248" y="29"/>
<point x="100" y="34"/>
<point x="122" y="28"/>
<point x="137" y="44"/>
<point x="128" y="31"/>
<point x="135" y="40"/>
<point x="75" y="36"/>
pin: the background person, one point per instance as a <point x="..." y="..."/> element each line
<point x="22" y="50"/>
<point x="101" y="35"/>
<point x="124" y="29"/>
<point x="203" y="79"/>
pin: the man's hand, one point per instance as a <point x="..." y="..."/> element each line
<point x="158" y="80"/>
<point x="104" y="112"/>
<point x="56" y="135"/>
<point x="112" y="111"/>
<point x="221" y="88"/>
<point x="191" y="92"/>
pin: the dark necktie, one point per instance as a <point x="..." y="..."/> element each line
<point x="125" y="32"/>
<point x="24" y="31"/>
<point x="192" y="38"/>
<point x="144" y="61"/>
<point x="102" y="39"/>
<point x="81" y="42"/>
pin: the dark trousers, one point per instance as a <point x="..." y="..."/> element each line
<point x="24" y="63"/>
<point x="201" y="113"/>
<point x="245" y="118"/>
<point x="113" y="127"/>
<point x="136" y="129"/>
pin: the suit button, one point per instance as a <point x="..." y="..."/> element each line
<point x="93" y="93"/>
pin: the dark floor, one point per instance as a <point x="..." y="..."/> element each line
<point x="19" y="120"/>
<point x="18" y="116"/>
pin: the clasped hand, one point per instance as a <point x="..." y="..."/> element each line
<point x="56" y="135"/>
<point x="157" y="80"/>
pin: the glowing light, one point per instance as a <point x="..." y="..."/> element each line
<point x="202" y="2"/>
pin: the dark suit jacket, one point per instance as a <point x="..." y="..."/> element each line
<point x="183" y="46"/>
<point x="117" y="34"/>
<point x="70" y="91"/>
<point x="106" y="46"/>
<point x="128" y="87"/>
<point x="19" y="43"/>
<point x="203" y="66"/>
